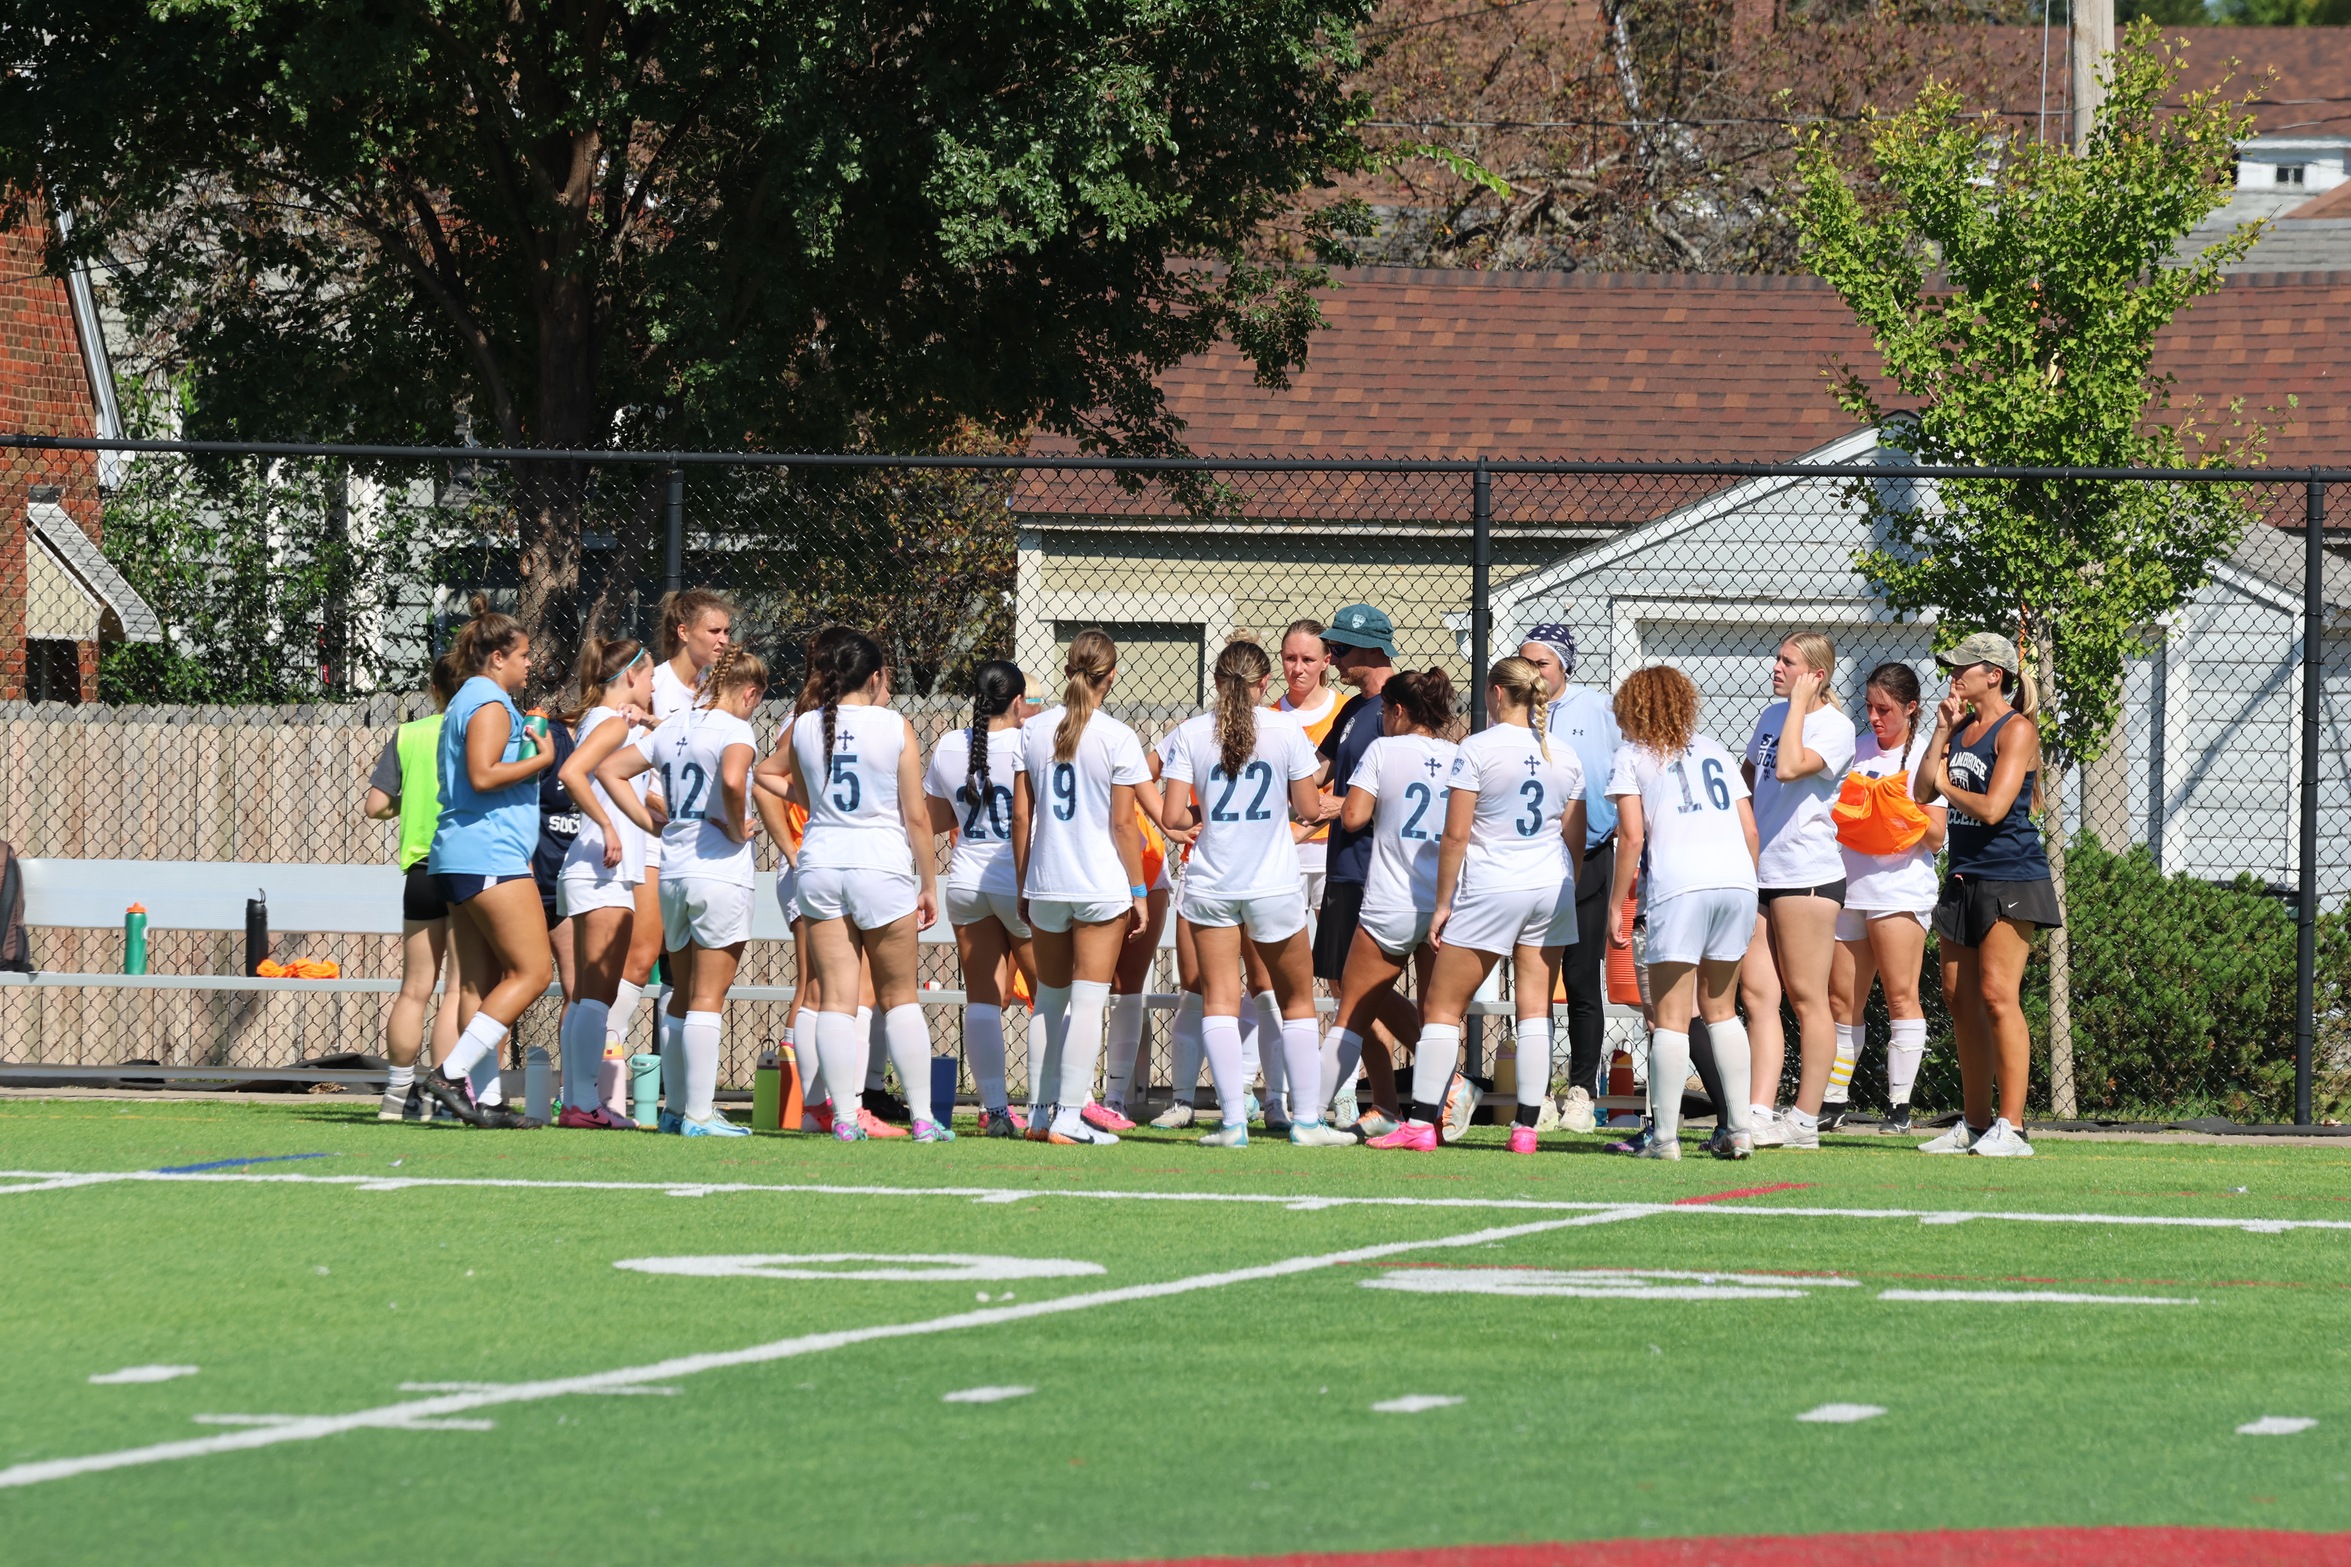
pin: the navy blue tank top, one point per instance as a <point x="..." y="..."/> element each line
<point x="2006" y="850"/>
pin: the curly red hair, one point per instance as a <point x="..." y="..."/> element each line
<point x="1657" y="708"/>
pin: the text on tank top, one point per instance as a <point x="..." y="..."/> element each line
<point x="2009" y="849"/>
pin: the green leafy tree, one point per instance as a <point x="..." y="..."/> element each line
<point x="2014" y="291"/>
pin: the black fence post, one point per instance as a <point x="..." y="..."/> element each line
<point x="2314" y="514"/>
<point x="1481" y="565"/>
<point x="673" y="555"/>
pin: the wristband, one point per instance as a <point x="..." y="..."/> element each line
<point x="1138" y="891"/>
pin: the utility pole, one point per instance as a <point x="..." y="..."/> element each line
<point x="2090" y="31"/>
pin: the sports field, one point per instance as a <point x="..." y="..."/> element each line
<point x="428" y="1344"/>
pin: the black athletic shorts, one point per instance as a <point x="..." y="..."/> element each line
<point x="1335" y="928"/>
<point x="421" y="897"/>
<point x="464" y="887"/>
<point x="1970" y="906"/>
<point x="1834" y="891"/>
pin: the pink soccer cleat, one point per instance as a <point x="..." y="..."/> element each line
<point x="1104" y="1119"/>
<point x="874" y="1126"/>
<point x="1522" y="1139"/>
<point x="1418" y="1136"/>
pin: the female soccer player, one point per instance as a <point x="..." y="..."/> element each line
<point x="1683" y="810"/>
<point x="404" y="788"/>
<point x="1398" y="792"/>
<point x="1985" y="759"/>
<point x="1795" y="764"/>
<point x="603" y="877"/>
<point x="704" y="757"/>
<point x="866" y="879"/>
<point x="692" y="625"/>
<point x="489" y="772"/>
<point x="1242" y="773"/>
<point x="1889" y="899"/>
<point x="1079" y="857"/>
<point x="970" y="788"/>
<point x="1506" y="875"/>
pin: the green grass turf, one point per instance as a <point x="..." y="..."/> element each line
<point x="1234" y="1420"/>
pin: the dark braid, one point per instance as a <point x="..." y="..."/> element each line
<point x="994" y="688"/>
<point x="851" y="659"/>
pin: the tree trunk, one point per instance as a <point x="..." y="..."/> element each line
<point x="551" y="498"/>
<point x="2061" y="1095"/>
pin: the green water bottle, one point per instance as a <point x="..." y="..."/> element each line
<point x="134" y="939"/>
<point x="534" y="733"/>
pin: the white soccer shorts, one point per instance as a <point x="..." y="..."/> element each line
<point x="1397" y="932"/>
<point x="867" y="899"/>
<point x="1268" y="916"/>
<point x="1058" y="914"/>
<point x="1853" y="924"/>
<point x="1506" y="917"/>
<point x="581" y="888"/>
<point x="1711" y="924"/>
<point x="970" y="905"/>
<point x="704" y="912"/>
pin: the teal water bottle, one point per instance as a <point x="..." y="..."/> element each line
<point x="134" y="939"/>
<point x="644" y="1088"/>
<point x="534" y="733"/>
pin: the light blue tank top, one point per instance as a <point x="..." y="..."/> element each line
<point x="483" y="834"/>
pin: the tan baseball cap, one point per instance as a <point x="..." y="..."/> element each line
<point x="1981" y="647"/>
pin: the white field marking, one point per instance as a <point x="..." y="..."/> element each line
<point x="1415" y="1403"/>
<point x="2276" y="1425"/>
<point x="287" y="1420"/>
<point x="938" y="1267"/>
<point x="2038" y="1297"/>
<point x="1841" y="1414"/>
<point x="986" y="1194"/>
<point x="1601" y="1283"/>
<point x="491" y="1387"/>
<point x="985" y="1395"/>
<point x="129" y="1374"/>
<point x="394" y="1416"/>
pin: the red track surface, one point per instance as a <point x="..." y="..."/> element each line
<point x="2158" y="1547"/>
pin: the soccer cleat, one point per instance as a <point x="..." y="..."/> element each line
<point x="1522" y="1139"/>
<point x="1832" y="1116"/>
<point x="1633" y="1144"/>
<point x="1250" y="1108"/>
<point x="1175" y="1117"/>
<point x="1795" y="1135"/>
<point x="1668" y="1148"/>
<point x="1735" y="1145"/>
<point x="846" y="1130"/>
<point x="1004" y="1121"/>
<point x="1418" y="1136"/>
<point x="817" y="1118"/>
<point x="1373" y="1123"/>
<point x="1896" y="1123"/>
<point x="1958" y="1139"/>
<point x="1576" y="1111"/>
<point x="455" y="1096"/>
<point x="1345" y="1109"/>
<point x="412" y="1105"/>
<point x="1234" y="1136"/>
<point x="670" y="1122"/>
<point x="886" y="1106"/>
<point x="1315" y="1134"/>
<point x="932" y="1132"/>
<point x="1104" y="1119"/>
<point x="717" y="1126"/>
<point x="2002" y="1142"/>
<point x="1462" y="1098"/>
<point x="596" y="1120"/>
<point x="874" y="1126"/>
<point x="1718" y="1142"/>
<point x="1769" y="1131"/>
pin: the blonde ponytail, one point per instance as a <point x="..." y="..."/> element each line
<point x="1092" y="658"/>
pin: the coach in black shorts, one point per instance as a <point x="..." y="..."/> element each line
<point x="1362" y="644"/>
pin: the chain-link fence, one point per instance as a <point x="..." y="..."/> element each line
<point x="203" y="651"/>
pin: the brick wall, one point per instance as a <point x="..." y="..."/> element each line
<point x="43" y="391"/>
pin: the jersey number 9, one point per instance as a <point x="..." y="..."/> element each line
<point x="1065" y="792"/>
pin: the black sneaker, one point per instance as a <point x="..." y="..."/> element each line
<point x="1896" y="1122"/>
<point x="999" y="1123"/>
<point x="505" y="1118"/>
<point x="1833" y="1116"/>
<point x="455" y="1095"/>
<point x="887" y="1106"/>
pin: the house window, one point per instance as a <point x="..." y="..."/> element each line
<point x="52" y="670"/>
<point x="1159" y="665"/>
<point x="2289" y="173"/>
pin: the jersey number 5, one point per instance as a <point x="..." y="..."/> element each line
<point x="848" y="793"/>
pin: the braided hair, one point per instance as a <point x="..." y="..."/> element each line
<point x="994" y="688"/>
<point x="1520" y="681"/>
<point x="1238" y="670"/>
<point x="849" y="659"/>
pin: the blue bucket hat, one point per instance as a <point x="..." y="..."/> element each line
<point x="1360" y="625"/>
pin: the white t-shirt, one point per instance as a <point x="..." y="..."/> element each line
<point x="1799" y="836"/>
<point x="587" y="850"/>
<point x="1071" y="853"/>
<point x="1692" y="839"/>
<point x="983" y="828"/>
<point x="1514" y="839"/>
<point x="854" y="818"/>
<point x="685" y="753"/>
<point x="1890" y="881"/>
<point x="1244" y="849"/>
<point x="1314" y="853"/>
<point x="671" y="696"/>
<point x="1406" y="774"/>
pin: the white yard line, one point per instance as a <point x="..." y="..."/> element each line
<point x="53" y="1180"/>
<point x="409" y="1414"/>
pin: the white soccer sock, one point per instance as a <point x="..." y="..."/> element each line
<point x="909" y="1034"/>
<point x="1432" y="1067"/>
<point x="698" y="1038"/>
<point x="398" y="1080"/>
<point x="622" y="1014"/>
<point x="1188" y="1052"/>
<point x="489" y="1081"/>
<point x="1734" y="1062"/>
<point x="1302" y="1065"/>
<point x="1045" y="1076"/>
<point x="481" y="1039"/>
<point x="1850" y="1038"/>
<point x="1342" y="1053"/>
<point x="1269" y="1026"/>
<point x="1906" y="1051"/>
<point x="1534" y="1060"/>
<point x="581" y="1039"/>
<point x="1669" y="1069"/>
<point x="1040" y="1037"/>
<point x="809" y="1058"/>
<point x="1081" y="1048"/>
<point x="877" y="1050"/>
<point x="1247" y="1023"/>
<point x="840" y="1044"/>
<point x="673" y="1059"/>
<point x="1122" y="1045"/>
<point x="1220" y="1040"/>
<point x="983" y="1043"/>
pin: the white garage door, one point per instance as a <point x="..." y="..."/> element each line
<point x="1730" y="662"/>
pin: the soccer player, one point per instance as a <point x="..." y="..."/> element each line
<point x="704" y="757"/>
<point x="1362" y="644"/>
<point x="970" y="788"/>
<point x="693" y="625"/>
<point x="1396" y="806"/>
<point x="1795" y="764"/>
<point x="1242" y="774"/>
<point x="1078" y="857"/>
<point x="1889" y="898"/>
<point x="489" y="774"/>
<point x="1683" y="811"/>
<point x="603" y="871"/>
<point x="404" y="787"/>
<point x="1506" y="872"/>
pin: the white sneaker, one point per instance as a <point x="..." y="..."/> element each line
<point x="1957" y="1140"/>
<point x="1546" y="1115"/>
<point x="1175" y="1117"/>
<point x="1769" y="1131"/>
<point x="1346" y="1110"/>
<point x="2002" y="1142"/>
<point x="1660" y="1148"/>
<point x="1795" y="1134"/>
<point x="1227" y="1137"/>
<point x="1462" y="1098"/>
<point x="1314" y="1134"/>
<point x="1575" y="1110"/>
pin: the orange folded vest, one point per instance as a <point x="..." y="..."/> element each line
<point x="1877" y="815"/>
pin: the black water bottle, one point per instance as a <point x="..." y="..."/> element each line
<point x="256" y="932"/>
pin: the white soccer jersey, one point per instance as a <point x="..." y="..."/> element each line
<point x="983" y="828"/>
<point x="1071" y="853"/>
<point x="1244" y="849"/>
<point x="587" y="850"/>
<point x="671" y="696"/>
<point x="854" y="819"/>
<point x="1799" y="835"/>
<point x="685" y="753"/>
<point x="1514" y="839"/>
<point x="1692" y="838"/>
<point x="1406" y="774"/>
